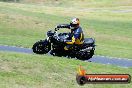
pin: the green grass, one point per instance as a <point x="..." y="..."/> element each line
<point x="80" y="3"/>
<point x="24" y="24"/>
<point x="42" y="71"/>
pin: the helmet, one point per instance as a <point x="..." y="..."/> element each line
<point x="74" y="23"/>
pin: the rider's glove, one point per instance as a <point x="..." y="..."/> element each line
<point x="58" y="26"/>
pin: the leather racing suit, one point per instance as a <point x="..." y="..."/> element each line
<point x="76" y="36"/>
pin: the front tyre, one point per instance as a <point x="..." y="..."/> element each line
<point x="41" y="47"/>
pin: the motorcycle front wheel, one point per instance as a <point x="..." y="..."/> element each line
<point x="41" y="47"/>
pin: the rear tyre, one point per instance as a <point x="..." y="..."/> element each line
<point x="41" y="47"/>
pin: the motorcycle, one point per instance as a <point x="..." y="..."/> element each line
<point x="54" y="45"/>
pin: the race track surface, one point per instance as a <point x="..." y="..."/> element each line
<point x="96" y="59"/>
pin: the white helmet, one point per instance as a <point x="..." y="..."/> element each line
<point x="74" y="23"/>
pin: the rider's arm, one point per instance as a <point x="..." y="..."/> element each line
<point x="63" y="26"/>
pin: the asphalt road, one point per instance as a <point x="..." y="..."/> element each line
<point x="97" y="59"/>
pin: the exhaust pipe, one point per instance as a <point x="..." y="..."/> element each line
<point x="88" y="49"/>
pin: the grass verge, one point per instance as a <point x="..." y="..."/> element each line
<point x="42" y="71"/>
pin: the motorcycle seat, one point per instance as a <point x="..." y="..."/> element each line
<point x="89" y="41"/>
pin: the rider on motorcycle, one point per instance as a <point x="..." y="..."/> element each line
<point x="77" y="36"/>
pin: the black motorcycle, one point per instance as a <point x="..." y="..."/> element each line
<point x="55" y="46"/>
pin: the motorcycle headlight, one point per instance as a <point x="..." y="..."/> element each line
<point x="49" y="33"/>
